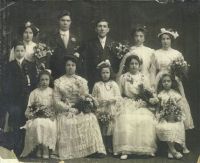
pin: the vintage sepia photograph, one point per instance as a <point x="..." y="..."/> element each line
<point x="99" y="81"/>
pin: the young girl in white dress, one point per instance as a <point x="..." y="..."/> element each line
<point x="171" y="131"/>
<point x="145" y="53"/>
<point x="163" y="58"/>
<point x="107" y="93"/>
<point x="41" y="131"/>
<point x="134" y="130"/>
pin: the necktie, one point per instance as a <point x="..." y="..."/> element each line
<point x="65" y="39"/>
<point x="19" y="64"/>
<point x="102" y="43"/>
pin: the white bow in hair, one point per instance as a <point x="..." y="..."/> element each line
<point x="48" y="70"/>
<point x="28" y="24"/>
<point x="77" y="54"/>
<point x="106" y="62"/>
<point x="173" y="33"/>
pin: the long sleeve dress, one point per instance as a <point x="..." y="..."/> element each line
<point x="171" y="131"/>
<point x="163" y="59"/>
<point x="40" y="130"/>
<point x="134" y="131"/>
<point x="104" y="91"/>
<point x="79" y="135"/>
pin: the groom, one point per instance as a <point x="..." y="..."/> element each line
<point x="64" y="42"/>
<point x="97" y="50"/>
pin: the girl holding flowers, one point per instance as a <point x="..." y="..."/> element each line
<point x="171" y="116"/>
<point x="107" y="93"/>
<point x="172" y="61"/>
<point x="41" y="130"/>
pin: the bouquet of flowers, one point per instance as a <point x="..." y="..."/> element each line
<point x="42" y="52"/>
<point x="179" y="67"/>
<point x="86" y="104"/>
<point x="147" y="96"/>
<point x="37" y="110"/>
<point x="171" y="112"/>
<point x="104" y="117"/>
<point x="119" y="49"/>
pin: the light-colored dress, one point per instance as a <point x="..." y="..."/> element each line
<point x="134" y="130"/>
<point x="29" y="52"/>
<point x="79" y="135"/>
<point x="171" y="131"/>
<point x="40" y="130"/>
<point x="163" y="59"/>
<point x="147" y="56"/>
<point x="104" y="91"/>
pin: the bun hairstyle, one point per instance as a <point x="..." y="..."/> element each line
<point x="139" y="28"/>
<point x="72" y="58"/>
<point x="28" y="24"/>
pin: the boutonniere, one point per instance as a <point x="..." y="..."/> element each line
<point x="73" y="39"/>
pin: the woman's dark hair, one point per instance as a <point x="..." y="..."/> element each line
<point x="31" y="26"/>
<point x="18" y="43"/>
<point x="174" y="83"/>
<point x="139" y="28"/>
<point x="129" y="59"/>
<point x="99" y="70"/>
<point x="171" y="37"/>
<point x="45" y="72"/>
<point x="71" y="58"/>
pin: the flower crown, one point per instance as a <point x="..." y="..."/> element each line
<point x="104" y="63"/>
<point x="174" y="34"/>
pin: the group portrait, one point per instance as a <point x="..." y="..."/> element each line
<point x="99" y="81"/>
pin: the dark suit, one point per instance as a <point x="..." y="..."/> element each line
<point x="57" y="62"/>
<point x="17" y="89"/>
<point x="94" y="54"/>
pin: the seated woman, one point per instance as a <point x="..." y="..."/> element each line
<point x="79" y="134"/>
<point x="134" y="130"/>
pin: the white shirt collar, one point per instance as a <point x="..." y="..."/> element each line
<point x="102" y="39"/>
<point x="20" y="60"/>
<point x="66" y="33"/>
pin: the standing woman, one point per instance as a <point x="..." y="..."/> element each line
<point x="163" y="58"/>
<point x="28" y="32"/>
<point x="79" y="134"/>
<point x="146" y="54"/>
